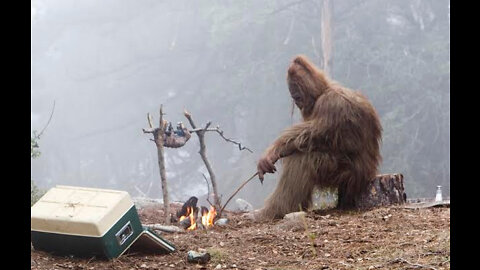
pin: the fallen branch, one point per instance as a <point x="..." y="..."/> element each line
<point x="356" y="240"/>
<point x="416" y="265"/>
<point x="238" y="189"/>
<point x="163" y="228"/>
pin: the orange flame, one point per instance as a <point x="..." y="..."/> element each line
<point x="208" y="217"/>
<point x="193" y="223"/>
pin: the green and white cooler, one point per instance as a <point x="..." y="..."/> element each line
<point x="88" y="222"/>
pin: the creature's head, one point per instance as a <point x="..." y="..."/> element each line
<point x="306" y="83"/>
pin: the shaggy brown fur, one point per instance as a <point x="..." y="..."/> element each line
<point x="336" y="145"/>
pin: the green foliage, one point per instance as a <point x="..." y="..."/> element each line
<point x="34" y="145"/>
<point x="218" y="255"/>
<point x="35" y="193"/>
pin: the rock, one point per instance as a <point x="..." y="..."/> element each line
<point x="197" y="257"/>
<point x="219" y="266"/>
<point x="221" y="222"/>
<point x="243" y="205"/>
<point x="295" y="215"/>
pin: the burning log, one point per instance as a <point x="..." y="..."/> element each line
<point x="189" y="221"/>
<point x="192" y="202"/>
<point x="188" y="215"/>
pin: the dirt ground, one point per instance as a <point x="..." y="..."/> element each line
<point x="382" y="238"/>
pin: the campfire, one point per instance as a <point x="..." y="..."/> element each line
<point x="189" y="218"/>
<point x="208" y="216"/>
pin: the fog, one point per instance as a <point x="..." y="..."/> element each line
<point x="106" y="64"/>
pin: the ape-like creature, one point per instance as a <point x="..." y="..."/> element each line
<point x="336" y="145"/>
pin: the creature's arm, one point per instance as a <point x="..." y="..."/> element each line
<point x="301" y="137"/>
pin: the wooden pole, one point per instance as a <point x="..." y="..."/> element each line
<point x="326" y="28"/>
<point x="161" y="164"/>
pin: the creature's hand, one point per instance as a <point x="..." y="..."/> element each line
<point x="266" y="165"/>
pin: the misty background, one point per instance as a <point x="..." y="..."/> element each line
<point x="106" y="64"/>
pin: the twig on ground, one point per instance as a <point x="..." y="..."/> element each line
<point x="163" y="228"/>
<point x="444" y="262"/>
<point x="416" y="265"/>
<point x="91" y="259"/>
<point x="356" y="240"/>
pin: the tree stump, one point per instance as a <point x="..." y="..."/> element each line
<point x="383" y="190"/>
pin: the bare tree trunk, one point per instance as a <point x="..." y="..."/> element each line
<point x="383" y="190"/>
<point x="161" y="165"/>
<point x="158" y="137"/>
<point x="327" y="44"/>
<point x="163" y="177"/>
<point x="203" y="154"/>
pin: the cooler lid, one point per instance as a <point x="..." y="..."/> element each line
<point x="79" y="210"/>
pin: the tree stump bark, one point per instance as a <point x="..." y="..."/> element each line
<point x="383" y="190"/>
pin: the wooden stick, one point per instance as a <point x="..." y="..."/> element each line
<point x="208" y="190"/>
<point x="241" y="186"/>
<point x="220" y="132"/>
<point x="150" y="120"/>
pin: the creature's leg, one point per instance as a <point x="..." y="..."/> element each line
<point x="352" y="180"/>
<point x="294" y="189"/>
<point x="345" y="199"/>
